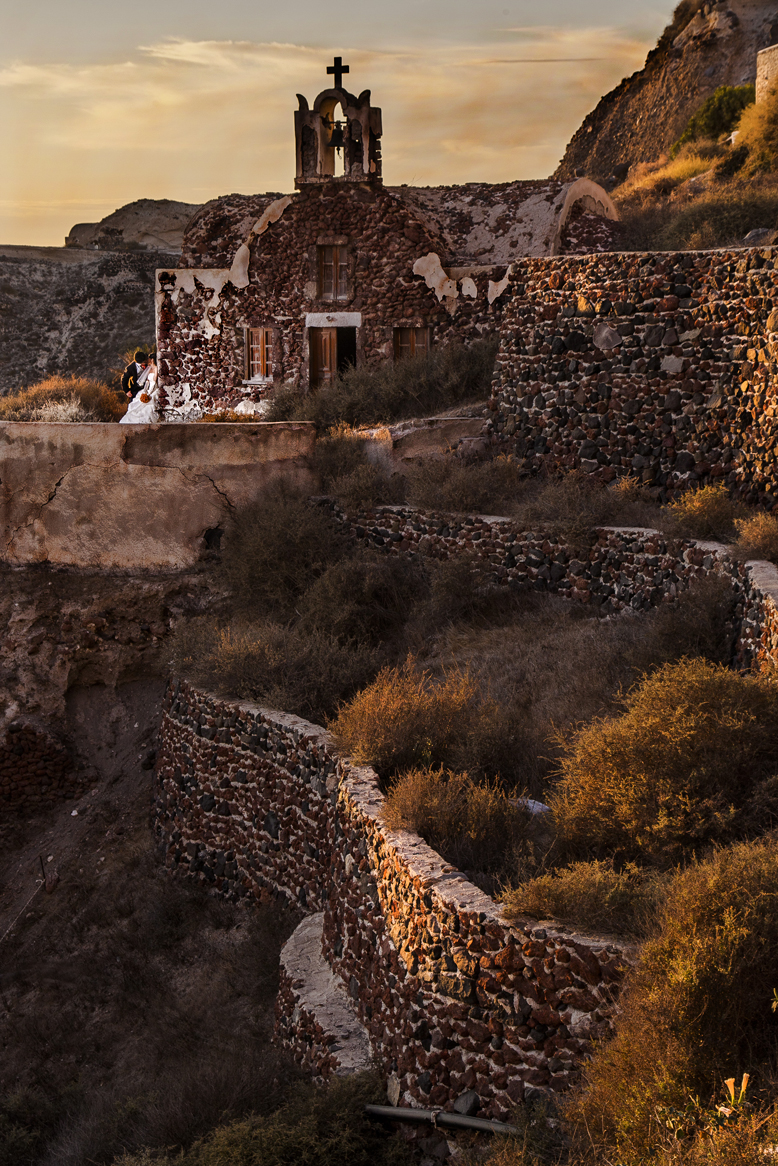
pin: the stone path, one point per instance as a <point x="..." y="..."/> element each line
<point x="323" y="995"/>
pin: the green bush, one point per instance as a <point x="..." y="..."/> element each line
<point x="593" y="896"/>
<point x="718" y="115"/>
<point x="689" y="762"/>
<point x="317" y="1127"/>
<point x="386" y="392"/>
<point x="697" y="1009"/>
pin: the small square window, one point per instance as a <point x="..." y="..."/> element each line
<point x="333" y="273"/>
<point x="258" y="353"/>
<point x="411" y="342"/>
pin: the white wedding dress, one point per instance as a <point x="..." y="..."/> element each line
<point x="144" y="412"/>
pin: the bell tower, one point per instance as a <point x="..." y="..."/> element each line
<point x="321" y="135"/>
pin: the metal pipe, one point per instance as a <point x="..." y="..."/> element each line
<point x="437" y="1117"/>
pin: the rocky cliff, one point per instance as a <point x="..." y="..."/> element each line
<point x="64" y="310"/>
<point x="706" y="45"/>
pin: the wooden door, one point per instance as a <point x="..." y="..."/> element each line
<point x="323" y="345"/>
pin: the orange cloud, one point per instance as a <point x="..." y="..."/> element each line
<point x="194" y="119"/>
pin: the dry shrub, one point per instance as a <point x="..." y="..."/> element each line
<point x="549" y="664"/>
<point x="474" y="825"/>
<point x="64" y="399"/>
<point x="317" y="1126"/>
<point x="459" y="589"/>
<point x="228" y="415"/>
<point x="696" y="1010"/>
<point x="390" y="391"/>
<point x="678" y="770"/>
<point x="304" y="672"/>
<point x="486" y="487"/>
<point x="343" y="470"/>
<point x="404" y="719"/>
<point x="719" y="217"/>
<point x="757" y="537"/>
<point x="276" y="548"/>
<point x="365" y="599"/>
<point x="592" y="895"/>
<point x="707" y="512"/>
<point x="758" y="131"/>
<point x="574" y="505"/>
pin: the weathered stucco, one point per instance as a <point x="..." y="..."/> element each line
<point x="135" y="495"/>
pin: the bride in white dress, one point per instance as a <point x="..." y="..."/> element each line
<point x="142" y="409"/>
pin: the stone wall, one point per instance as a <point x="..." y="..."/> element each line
<point x="454" y="998"/>
<point x="657" y="365"/>
<point x="136" y="496"/>
<point x="766" y="71"/>
<point x="35" y="767"/>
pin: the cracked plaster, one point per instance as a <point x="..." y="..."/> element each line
<point x="110" y="496"/>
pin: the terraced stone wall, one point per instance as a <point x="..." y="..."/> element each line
<point x="453" y="997"/>
<point x="254" y="802"/>
<point x="661" y="366"/>
<point x="622" y="568"/>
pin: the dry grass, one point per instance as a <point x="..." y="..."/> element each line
<point x="689" y="762"/>
<point x="652" y="180"/>
<point x="707" y="512"/>
<point x="64" y="399"/>
<point x="757" y="537"/>
<point x="718" y="211"/>
<point x="475" y="825"/>
<point x="302" y="671"/>
<point x="404" y="719"/>
<point x="134" y="1008"/>
<point x="697" y="1010"/>
<point x="276" y="548"/>
<point x="592" y="895"/>
<point x="390" y="391"/>
<point x="315" y="1127"/>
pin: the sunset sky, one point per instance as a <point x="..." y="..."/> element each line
<point x="101" y="104"/>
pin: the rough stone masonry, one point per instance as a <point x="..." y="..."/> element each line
<point x="662" y="366"/>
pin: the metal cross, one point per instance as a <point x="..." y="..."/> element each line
<point x="338" y="68"/>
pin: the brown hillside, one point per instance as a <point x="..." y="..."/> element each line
<point x="707" y="44"/>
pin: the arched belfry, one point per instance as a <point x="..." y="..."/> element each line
<point x="338" y="122"/>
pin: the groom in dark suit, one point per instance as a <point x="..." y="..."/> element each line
<point x="132" y="372"/>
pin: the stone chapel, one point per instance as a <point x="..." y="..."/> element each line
<point x="291" y="288"/>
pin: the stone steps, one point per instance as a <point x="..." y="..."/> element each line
<point x="316" y="1011"/>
